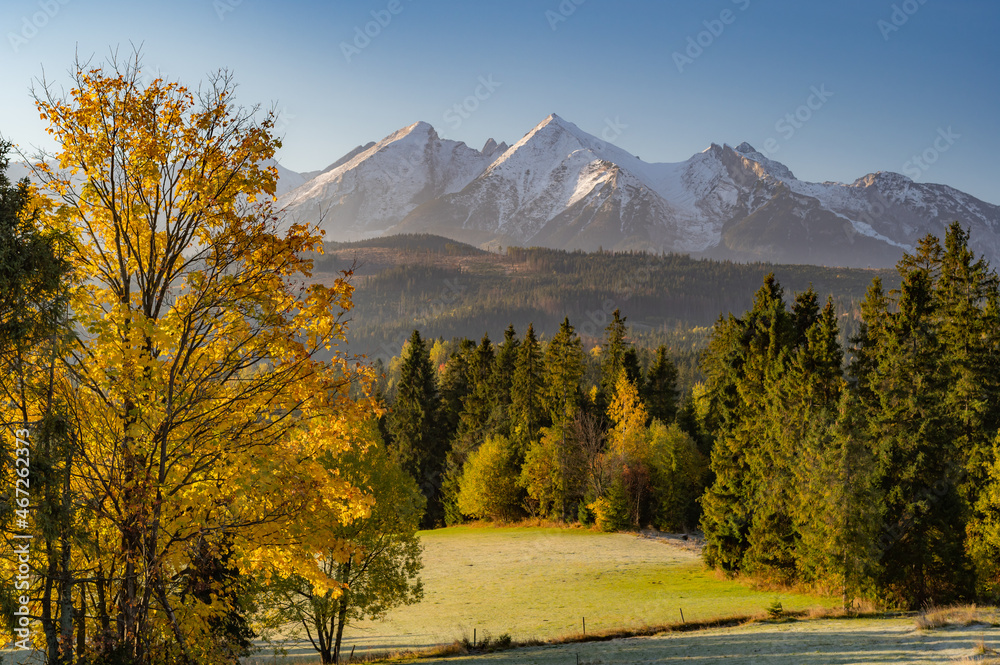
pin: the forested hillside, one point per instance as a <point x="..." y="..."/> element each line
<point x="448" y="289"/>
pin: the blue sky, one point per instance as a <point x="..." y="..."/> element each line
<point x="834" y="90"/>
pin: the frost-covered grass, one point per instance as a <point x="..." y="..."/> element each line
<point x="816" y="642"/>
<point x="532" y="582"/>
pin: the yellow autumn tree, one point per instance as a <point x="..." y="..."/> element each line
<point x="629" y="438"/>
<point x="198" y="405"/>
<point x="626" y="461"/>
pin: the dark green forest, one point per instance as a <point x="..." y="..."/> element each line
<point x="451" y="290"/>
<point x="825" y="437"/>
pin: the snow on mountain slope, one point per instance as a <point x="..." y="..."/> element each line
<point x="373" y="188"/>
<point x="287" y="179"/>
<point x="525" y="194"/>
<point x="562" y="187"/>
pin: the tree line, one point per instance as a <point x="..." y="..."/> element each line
<point x="873" y="470"/>
<point x="523" y="428"/>
<point x="880" y="475"/>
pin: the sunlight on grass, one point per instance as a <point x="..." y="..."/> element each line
<point x="542" y="582"/>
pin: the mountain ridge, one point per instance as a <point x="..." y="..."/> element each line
<point x="561" y="187"/>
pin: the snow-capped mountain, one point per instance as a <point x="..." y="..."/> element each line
<point x="375" y="186"/>
<point x="287" y="179"/>
<point x="562" y="187"/>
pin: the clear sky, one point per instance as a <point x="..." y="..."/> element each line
<point x="834" y="90"/>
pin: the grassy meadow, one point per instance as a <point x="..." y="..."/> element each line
<point x="532" y="582"/>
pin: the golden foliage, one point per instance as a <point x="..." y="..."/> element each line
<point x="200" y="409"/>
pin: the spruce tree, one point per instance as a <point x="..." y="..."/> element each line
<point x="632" y="368"/>
<point x="564" y="360"/>
<point x="739" y="365"/>
<point x="474" y="425"/>
<point x="419" y="446"/>
<point x="921" y="548"/>
<point x="613" y="351"/>
<point x="966" y="298"/>
<point x="836" y="505"/>
<point x="478" y="405"/>
<point x="527" y="413"/>
<point x="504" y="368"/>
<point x="803" y="394"/>
<point x="660" y="388"/>
<point x="34" y="268"/>
<point x="455" y="385"/>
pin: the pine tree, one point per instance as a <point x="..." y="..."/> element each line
<point x="740" y="363"/>
<point x="613" y="351"/>
<point x="660" y="388"/>
<point x="527" y="414"/>
<point x="504" y="368"/>
<point x="563" y="369"/>
<point x="921" y="549"/>
<point x="415" y="426"/>
<point x="475" y="423"/>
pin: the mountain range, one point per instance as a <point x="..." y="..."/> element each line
<point x="561" y="187"/>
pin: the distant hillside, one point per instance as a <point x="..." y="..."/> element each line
<point x="448" y="289"/>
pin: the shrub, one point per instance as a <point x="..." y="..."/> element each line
<point x="488" y="486"/>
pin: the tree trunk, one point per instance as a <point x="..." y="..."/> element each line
<point x="81" y="623"/>
<point x="325" y="652"/>
<point x="66" y="577"/>
<point x="342" y="609"/>
<point x="48" y="623"/>
<point x="133" y="603"/>
<point x="172" y="618"/>
<point x="102" y="603"/>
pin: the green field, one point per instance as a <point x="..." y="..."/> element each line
<point x="542" y="582"/>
